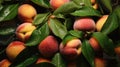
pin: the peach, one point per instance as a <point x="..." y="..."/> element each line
<point x="49" y="46"/>
<point x="84" y="24"/>
<point x="95" y="6"/>
<point x="41" y="59"/>
<point x="5" y="63"/>
<point x="26" y="12"/>
<point x="57" y="3"/>
<point x="117" y="50"/>
<point x="14" y="48"/>
<point x="24" y="31"/>
<point x="94" y="44"/>
<point x="93" y="1"/>
<point x="71" y="50"/>
<point x="99" y="62"/>
<point x="100" y="22"/>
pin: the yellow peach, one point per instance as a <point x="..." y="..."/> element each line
<point x="100" y="22"/>
<point x="14" y="48"/>
<point x="5" y="63"/>
<point x="24" y="31"/>
<point x="26" y="12"/>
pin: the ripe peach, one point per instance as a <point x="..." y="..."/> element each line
<point x="5" y="63"/>
<point x="26" y="12"/>
<point x="117" y="50"/>
<point x="100" y="22"/>
<point x="40" y="60"/>
<point x="14" y="48"/>
<point x="57" y="3"/>
<point x="94" y="44"/>
<point x="71" y="50"/>
<point x="99" y="62"/>
<point x="95" y="6"/>
<point x="93" y="1"/>
<point x="84" y="24"/>
<point x="49" y="46"/>
<point x="24" y="31"/>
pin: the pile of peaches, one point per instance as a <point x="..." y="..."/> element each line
<point x="60" y="33"/>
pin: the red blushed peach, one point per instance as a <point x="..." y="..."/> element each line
<point x="49" y="46"/>
<point x="57" y="3"/>
<point x="40" y="60"/>
<point x="5" y="63"/>
<point x="94" y="44"/>
<point x="71" y="50"/>
<point x="26" y="12"/>
<point x="99" y="62"/>
<point x="14" y="48"/>
<point x="84" y="24"/>
<point x="24" y="31"/>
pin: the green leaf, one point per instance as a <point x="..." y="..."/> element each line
<point x="43" y="64"/>
<point x="111" y="24"/>
<point x="38" y="35"/>
<point x="105" y="42"/>
<point x="86" y="11"/>
<point x="28" y="61"/>
<point x="58" y="28"/>
<point x="40" y="18"/>
<point x="72" y="35"/>
<point x="7" y="31"/>
<point x="66" y="8"/>
<point x="105" y="4"/>
<point x="67" y="38"/>
<point x="117" y="11"/>
<point x="83" y="2"/>
<point x="88" y="52"/>
<point x="8" y="12"/>
<point x="78" y="34"/>
<point x="43" y="3"/>
<point x="58" y="61"/>
<point x="1" y="1"/>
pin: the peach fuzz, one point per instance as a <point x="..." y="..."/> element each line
<point x="24" y="31"/>
<point x="94" y="44"/>
<point x="26" y="12"/>
<point x="5" y="63"/>
<point x="84" y="24"/>
<point x="99" y="62"/>
<point x="14" y="48"/>
<point x="57" y="3"/>
<point x="71" y="50"/>
<point x="48" y="47"/>
<point x="100" y="22"/>
<point x="41" y="59"/>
